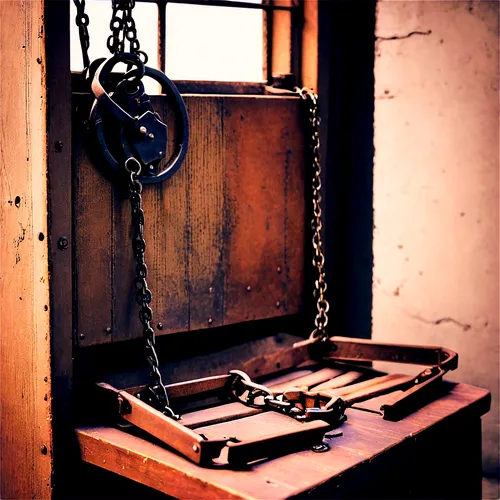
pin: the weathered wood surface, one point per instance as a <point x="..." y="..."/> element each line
<point x="25" y="415"/>
<point x="367" y="440"/>
<point x="224" y="235"/>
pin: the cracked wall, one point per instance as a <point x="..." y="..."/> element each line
<point x="436" y="187"/>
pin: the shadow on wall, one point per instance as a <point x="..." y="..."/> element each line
<point x="347" y="91"/>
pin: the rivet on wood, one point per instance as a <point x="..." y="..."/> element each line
<point x="82" y="336"/>
<point x="249" y="288"/>
<point x="62" y="243"/>
<point x="196" y="448"/>
<point x="159" y="326"/>
<point x="278" y="270"/>
<point x="43" y="449"/>
<point x="210" y="321"/>
<point x="108" y="330"/>
<point x="278" y="304"/>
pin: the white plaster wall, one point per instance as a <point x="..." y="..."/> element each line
<point x="436" y="186"/>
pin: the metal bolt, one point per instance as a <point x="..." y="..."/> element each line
<point x="43" y="449"/>
<point x="160" y="153"/>
<point x="278" y="270"/>
<point x="249" y="288"/>
<point x="320" y="448"/>
<point x="143" y="130"/>
<point x="278" y="304"/>
<point x="151" y="136"/>
<point x="107" y="330"/>
<point x="159" y="326"/>
<point x="211" y="289"/>
<point x="210" y="321"/>
<point x="196" y="448"/>
<point x="82" y="336"/>
<point x="58" y="146"/>
<point x="151" y="167"/>
<point x="62" y="243"/>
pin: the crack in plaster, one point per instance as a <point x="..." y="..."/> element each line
<point x="403" y="37"/>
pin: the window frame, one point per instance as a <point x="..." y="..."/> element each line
<point x="283" y="60"/>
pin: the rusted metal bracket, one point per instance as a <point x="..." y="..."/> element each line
<point x="412" y="391"/>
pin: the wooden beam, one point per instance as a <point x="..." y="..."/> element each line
<point x="25" y="399"/>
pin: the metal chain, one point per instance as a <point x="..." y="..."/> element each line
<point x="82" y="21"/>
<point x="318" y="261"/>
<point x="156" y="393"/>
<point x="123" y="29"/>
<point x="301" y="405"/>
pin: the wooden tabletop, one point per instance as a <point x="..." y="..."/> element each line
<point x="365" y="436"/>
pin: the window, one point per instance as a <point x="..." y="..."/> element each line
<point x="202" y="40"/>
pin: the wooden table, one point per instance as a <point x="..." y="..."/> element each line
<point x="435" y="452"/>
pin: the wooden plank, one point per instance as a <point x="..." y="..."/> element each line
<point x="367" y="439"/>
<point x="340" y="381"/>
<point x="25" y="387"/>
<point x="259" y="265"/>
<point x="251" y="427"/>
<point x="224" y="235"/>
<point x="309" y="381"/>
<point x="93" y="236"/>
<point x="208" y="232"/>
<point x="217" y="414"/>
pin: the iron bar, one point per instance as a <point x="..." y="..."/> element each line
<point x="162" y="35"/>
<point x="226" y="3"/>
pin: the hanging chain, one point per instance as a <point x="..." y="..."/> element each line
<point x="318" y="261"/>
<point x="123" y="29"/>
<point x="82" y="21"/>
<point x="156" y="393"/>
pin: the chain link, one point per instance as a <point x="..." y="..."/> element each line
<point x="318" y="261"/>
<point x="82" y="21"/>
<point x="301" y="405"/>
<point x="156" y="393"/>
<point x="123" y="29"/>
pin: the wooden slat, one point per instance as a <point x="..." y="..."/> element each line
<point x="250" y="427"/>
<point x="263" y="152"/>
<point x="217" y="414"/>
<point x="366" y="439"/>
<point x="340" y="381"/>
<point x="307" y="381"/>
<point x="93" y="238"/>
<point x="208" y="205"/>
<point x="231" y="218"/>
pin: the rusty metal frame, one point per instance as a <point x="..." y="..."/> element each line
<point x="125" y="406"/>
<point x="407" y="393"/>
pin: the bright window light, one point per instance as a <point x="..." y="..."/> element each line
<point x="207" y="43"/>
